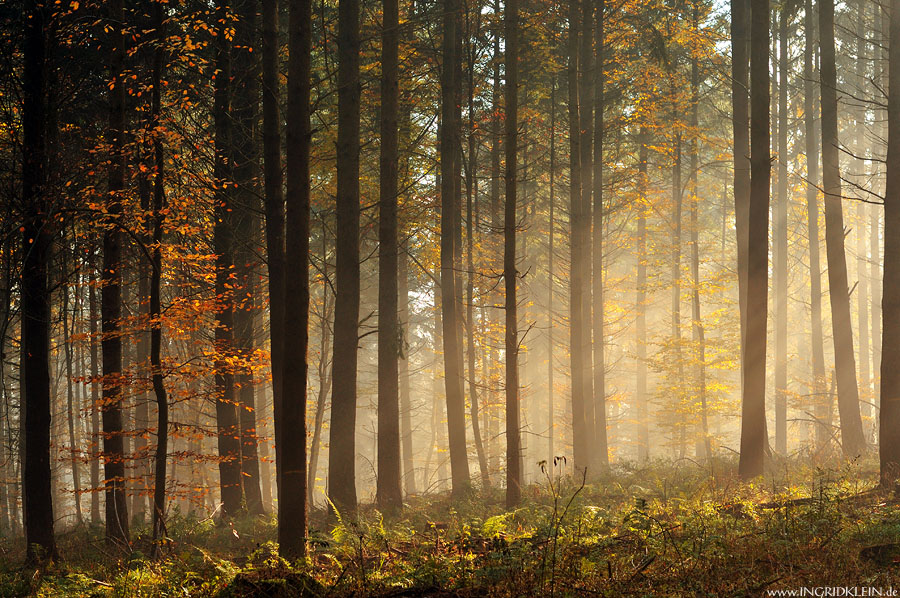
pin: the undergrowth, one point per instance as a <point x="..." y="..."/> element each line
<point x="661" y="530"/>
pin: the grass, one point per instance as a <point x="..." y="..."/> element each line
<point x="662" y="530"/>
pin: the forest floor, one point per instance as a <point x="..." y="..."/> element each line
<point x="663" y="530"/>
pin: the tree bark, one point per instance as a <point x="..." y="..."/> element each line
<point x="450" y="170"/>
<point x="641" y="399"/>
<point x="37" y="506"/>
<point x="292" y="507"/>
<point x="852" y="439"/>
<point x="889" y="425"/>
<point x="227" y="430"/>
<point x="111" y="293"/>
<point x="601" y="447"/>
<point x="781" y="243"/>
<point x="389" y="494"/>
<point x="513" y="441"/>
<point x="159" y="204"/>
<point x="246" y="174"/>
<point x="740" y="103"/>
<point x="753" y="407"/>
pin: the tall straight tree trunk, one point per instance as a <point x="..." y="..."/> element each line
<point x="450" y="170"/>
<point x="852" y="439"/>
<point x="159" y="389"/>
<point x="677" y="202"/>
<point x="580" y="441"/>
<point x="641" y="399"/>
<point x="292" y="507"/>
<point x="740" y="106"/>
<point x="811" y="138"/>
<point x="753" y="408"/>
<point x="37" y="506"/>
<point x="698" y="333"/>
<point x="389" y="494"/>
<point x="586" y="92"/>
<point x="599" y="382"/>
<point x="781" y="243"/>
<point x="889" y="424"/>
<point x="111" y="292"/>
<point x="274" y="209"/>
<point x="323" y="373"/>
<point x="406" y="430"/>
<point x="471" y="199"/>
<point x="227" y="431"/>
<point x="513" y="441"/>
<point x="71" y="413"/>
<point x="342" y="452"/>
<point x="95" y="396"/>
<point x="492" y="397"/>
<point x="246" y="174"/>
<point x="862" y="290"/>
<point x="551" y="230"/>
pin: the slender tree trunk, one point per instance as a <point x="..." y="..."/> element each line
<point x="246" y="174"/>
<point x="852" y="439"/>
<point x="71" y="412"/>
<point x="95" y="398"/>
<point x="471" y="199"/>
<point x="450" y="170"/>
<point x="513" y="442"/>
<point x="292" y="507"/>
<point x="323" y="373"/>
<point x="781" y="243"/>
<point x="342" y="452"/>
<point x="697" y="330"/>
<point x="37" y="506"/>
<point x="599" y="365"/>
<point x="811" y="139"/>
<point x="159" y="204"/>
<point x="389" y="494"/>
<point x="889" y="424"/>
<point x="223" y="240"/>
<point x="641" y="399"/>
<point x="740" y="104"/>
<point x="678" y="201"/>
<point x="581" y="450"/>
<point x="274" y="208"/>
<point x="753" y="408"/>
<point x="862" y="290"/>
<point x="586" y="92"/>
<point x="111" y="293"/>
<point x="406" y="431"/>
<point x="551" y="230"/>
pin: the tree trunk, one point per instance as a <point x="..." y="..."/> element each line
<point x="111" y="293"/>
<point x="291" y="456"/>
<point x="274" y="208"/>
<point x="71" y="412"/>
<point x="37" y="505"/>
<point x="599" y="365"/>
<point x="852" y="439"/>
<point x="450" y="170"/>
<point x="389" y="495"/>
<point x="513" y="442"/>
<point x="159" y="389"/>
<point x="889" y="425"/>
<point x="697" y="330"/>
<point x="581" y="450"/>
<point x="812" y="210"/>
<point x="586" y="92"/>
<point x="323" y="373"/>
<point x="862" y="290"/>
<point x="781" y="243"/>
<point x="406" y="439"/>
<point x="641" y="399"/>
<point x="551" y="230"/>
<point x="95" y="398"/>
<point x="246" y="174"/>
<point x="342" y="452"/>
<point x="753" y="407"/>
<point x="740" y="104"/>
<point x="227" y="430"/>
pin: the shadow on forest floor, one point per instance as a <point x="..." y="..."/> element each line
<point x="661" y="530"/>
